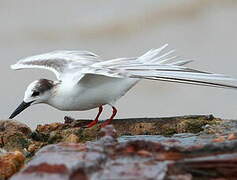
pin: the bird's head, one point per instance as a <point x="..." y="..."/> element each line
<point x="38" y="91"/>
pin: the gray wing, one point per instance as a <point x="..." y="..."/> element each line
<point x="58" y="62"/>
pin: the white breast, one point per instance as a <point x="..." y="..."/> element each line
<point x="91" y="92"/>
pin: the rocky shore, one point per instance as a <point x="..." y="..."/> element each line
<point x="187" y="147"/>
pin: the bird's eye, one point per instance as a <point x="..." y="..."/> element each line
<point x="35" y="93"/>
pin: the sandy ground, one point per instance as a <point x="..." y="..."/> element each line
<point x="203" y="30"/>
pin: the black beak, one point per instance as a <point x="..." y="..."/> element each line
<point x="20" y="108"/>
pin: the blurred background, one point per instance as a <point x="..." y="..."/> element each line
<point x="203" y="30"/>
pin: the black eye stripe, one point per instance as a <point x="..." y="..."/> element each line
<point x="35" y="93"/>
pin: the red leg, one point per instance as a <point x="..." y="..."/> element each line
<point x="111" y="118"/>
<point x="96" y="118"/>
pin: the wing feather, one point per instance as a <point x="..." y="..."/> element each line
<point x="57" y="61"/>
<point x="155" y="66"/>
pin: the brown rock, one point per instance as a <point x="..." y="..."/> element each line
<point x="71" y="131"/>
<point x="14" y="135"/>
<point x="12" y="125"/>
<point x="10" y="163"/>
<point x="32" y="148"/>
<point x="72" y="138"/>
<point x="133" y="126"/>
<point x="17" y="136"/>
<point x="47" y="168"/>
<point x="49" y="127"/>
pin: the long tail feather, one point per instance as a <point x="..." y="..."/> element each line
<point x="194" y="78"/>
<point x="156" y="66"/>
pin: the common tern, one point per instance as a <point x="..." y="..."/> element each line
<point x="86" y="81"/>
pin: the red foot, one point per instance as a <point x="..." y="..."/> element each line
<point x="110" y="119"/>
<point x="96" y="119"/>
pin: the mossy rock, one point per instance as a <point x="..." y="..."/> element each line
<point x="164" y="126"/>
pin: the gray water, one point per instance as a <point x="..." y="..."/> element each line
<point x="203" y="30"/>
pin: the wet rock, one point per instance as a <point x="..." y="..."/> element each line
<point x="107" y="158"/>
<point x="10" y="163"/>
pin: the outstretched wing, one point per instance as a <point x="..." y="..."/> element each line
<point x="58" y="61"/>
<point x="156" y="66"/>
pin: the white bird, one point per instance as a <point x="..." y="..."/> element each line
<point x="85" y="81"/>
